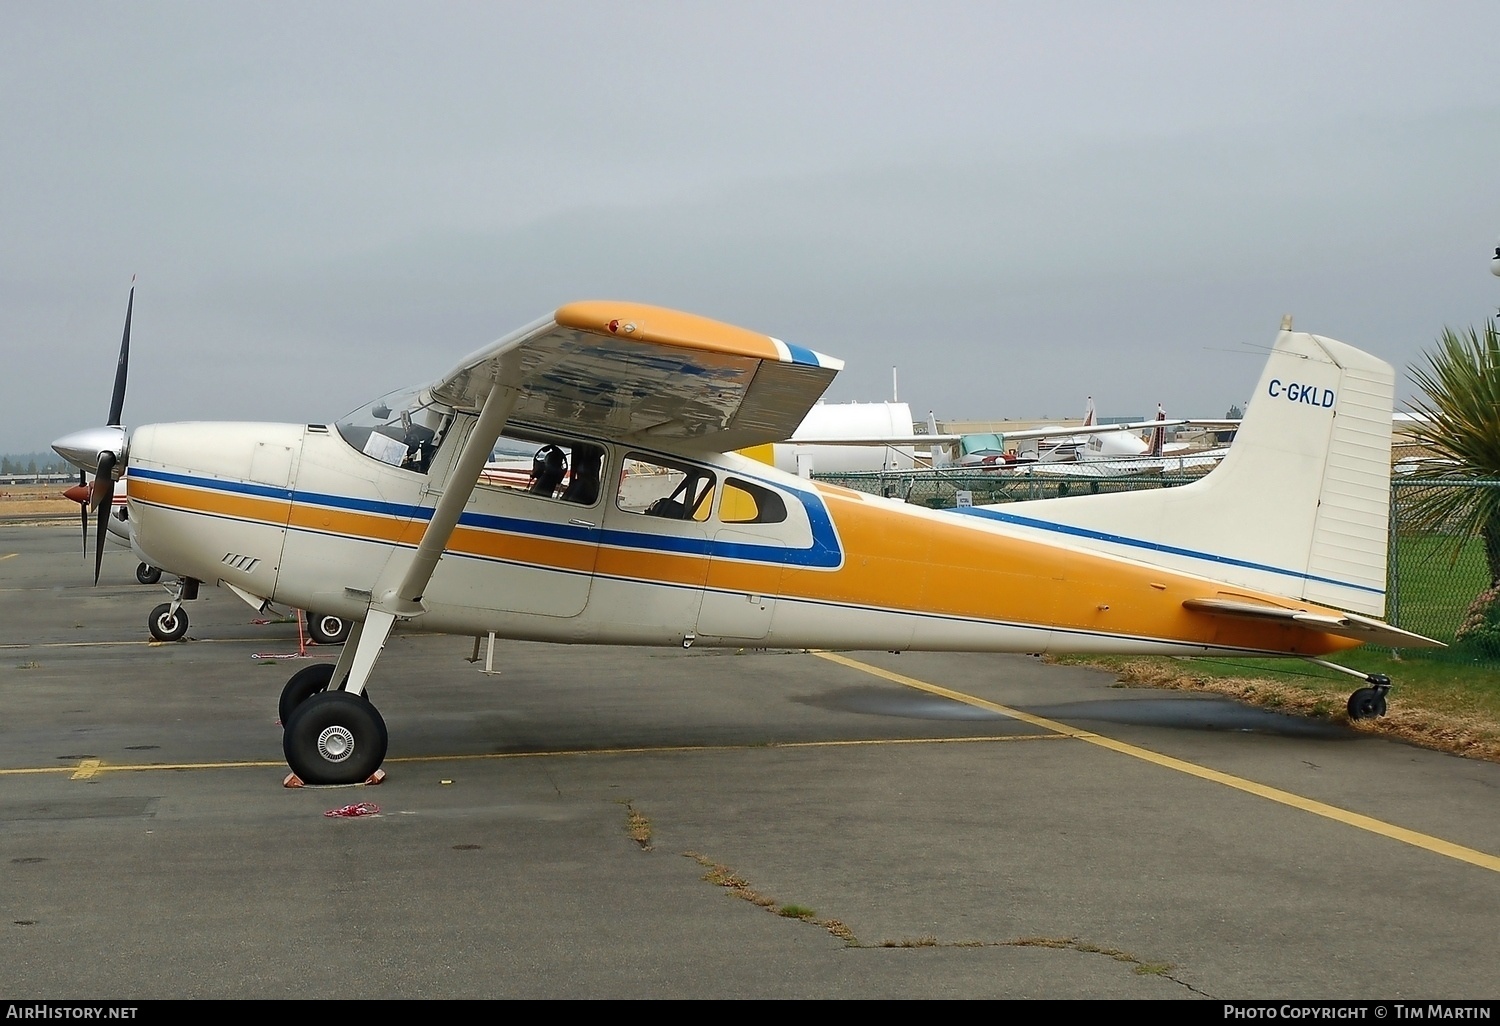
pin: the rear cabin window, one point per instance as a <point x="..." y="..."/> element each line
<point x="652" y="488"/>
<point x="746" y="503"/>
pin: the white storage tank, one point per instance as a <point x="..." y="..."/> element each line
<point x="850" y="420"/>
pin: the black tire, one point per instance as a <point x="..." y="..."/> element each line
<point x="1366" y="703"/>
<point x="335" y="738"/>
<point x="166" y="625"/>
<point x="306" y="682"/>
<point x="327" y="629"/>
<point x="145" y="573"/>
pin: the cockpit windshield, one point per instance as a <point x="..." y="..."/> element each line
<point x="403" y="428"/>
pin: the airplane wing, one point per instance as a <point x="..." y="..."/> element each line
<point x="620" y="371"/>
<point x="1126" y="465"/>
<point x="1023" y="434"/>
<point x="629" y="372"/>
<point x="1345" y="625"/>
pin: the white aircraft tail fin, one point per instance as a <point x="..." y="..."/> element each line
<point x="940" y="456"/>
<point x="1158" y="435"/>
<point x="1300" y="505"/>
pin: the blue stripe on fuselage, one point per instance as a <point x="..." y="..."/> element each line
<point x="1150" y="546"/>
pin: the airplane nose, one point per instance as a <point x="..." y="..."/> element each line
<point x="82" y="448"/>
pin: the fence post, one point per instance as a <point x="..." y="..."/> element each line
<point x="1393" y="561"/>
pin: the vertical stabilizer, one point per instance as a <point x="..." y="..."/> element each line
<point x="1158" y="435"/>
<point x="1300" y="505"/>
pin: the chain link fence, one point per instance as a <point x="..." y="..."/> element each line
<point x="1439" y="583"/>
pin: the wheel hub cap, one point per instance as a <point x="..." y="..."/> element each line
<point x="336" y="744"/>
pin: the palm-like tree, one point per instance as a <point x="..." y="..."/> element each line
<point x="1459" y="424"/>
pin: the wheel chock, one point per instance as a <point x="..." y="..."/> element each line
<point x="378" y="777"/>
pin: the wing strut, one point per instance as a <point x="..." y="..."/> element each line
<point x="404" y="600"/>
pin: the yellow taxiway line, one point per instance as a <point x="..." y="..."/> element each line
<point x="1361" y="822"/>
<point x="156" y="644"/>
<point x="87" y="769"/>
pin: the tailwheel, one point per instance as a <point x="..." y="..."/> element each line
<point x="306" y="682"/>
<point x="1368" y="703"/>
<point x="335" y="738"/>
<point x="166" y="623"/>
<point x="145" y="573"/>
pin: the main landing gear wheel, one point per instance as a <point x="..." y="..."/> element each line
<point x="147" y="574"/>
<point x="165" y="625"/>
<point x="335" y="738"/>
<point x="306" y="682"/>
<point x="326" y="629"/>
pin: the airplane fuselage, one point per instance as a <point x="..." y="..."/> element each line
<point x="297" y="515"/>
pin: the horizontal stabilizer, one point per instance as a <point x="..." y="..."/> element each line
<point x="1345" y="625"/>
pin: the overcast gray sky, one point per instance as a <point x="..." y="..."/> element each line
<point x="1016" y="204"/>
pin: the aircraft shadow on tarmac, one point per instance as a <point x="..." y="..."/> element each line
<point x="1182" y="713"/>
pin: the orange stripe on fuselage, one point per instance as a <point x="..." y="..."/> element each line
<point x="520" y="548"/>
<point x="363" y="526"/>
<point x="207" y="500"/>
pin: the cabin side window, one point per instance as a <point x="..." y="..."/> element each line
<point x="650" y="487"/>
<point x="550" y="467"/>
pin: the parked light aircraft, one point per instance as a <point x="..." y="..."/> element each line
<point x="117" y="524"/>
<point x="657" y="532"/>
<point x="1016" y="451"/>
<point x="1124" y="453"/>
<point x="165" y="623"/>
<point x="834" y="438"/>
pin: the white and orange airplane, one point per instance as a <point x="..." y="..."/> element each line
<point x="642" y="524"/>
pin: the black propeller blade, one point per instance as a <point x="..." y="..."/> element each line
<point x="102" y="496"/>
<point x="117" y="399"/>
<point x="103" y="499"/>
<point x="83" y="512"/>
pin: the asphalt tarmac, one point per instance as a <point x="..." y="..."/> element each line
<point x="634" y="823"/>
